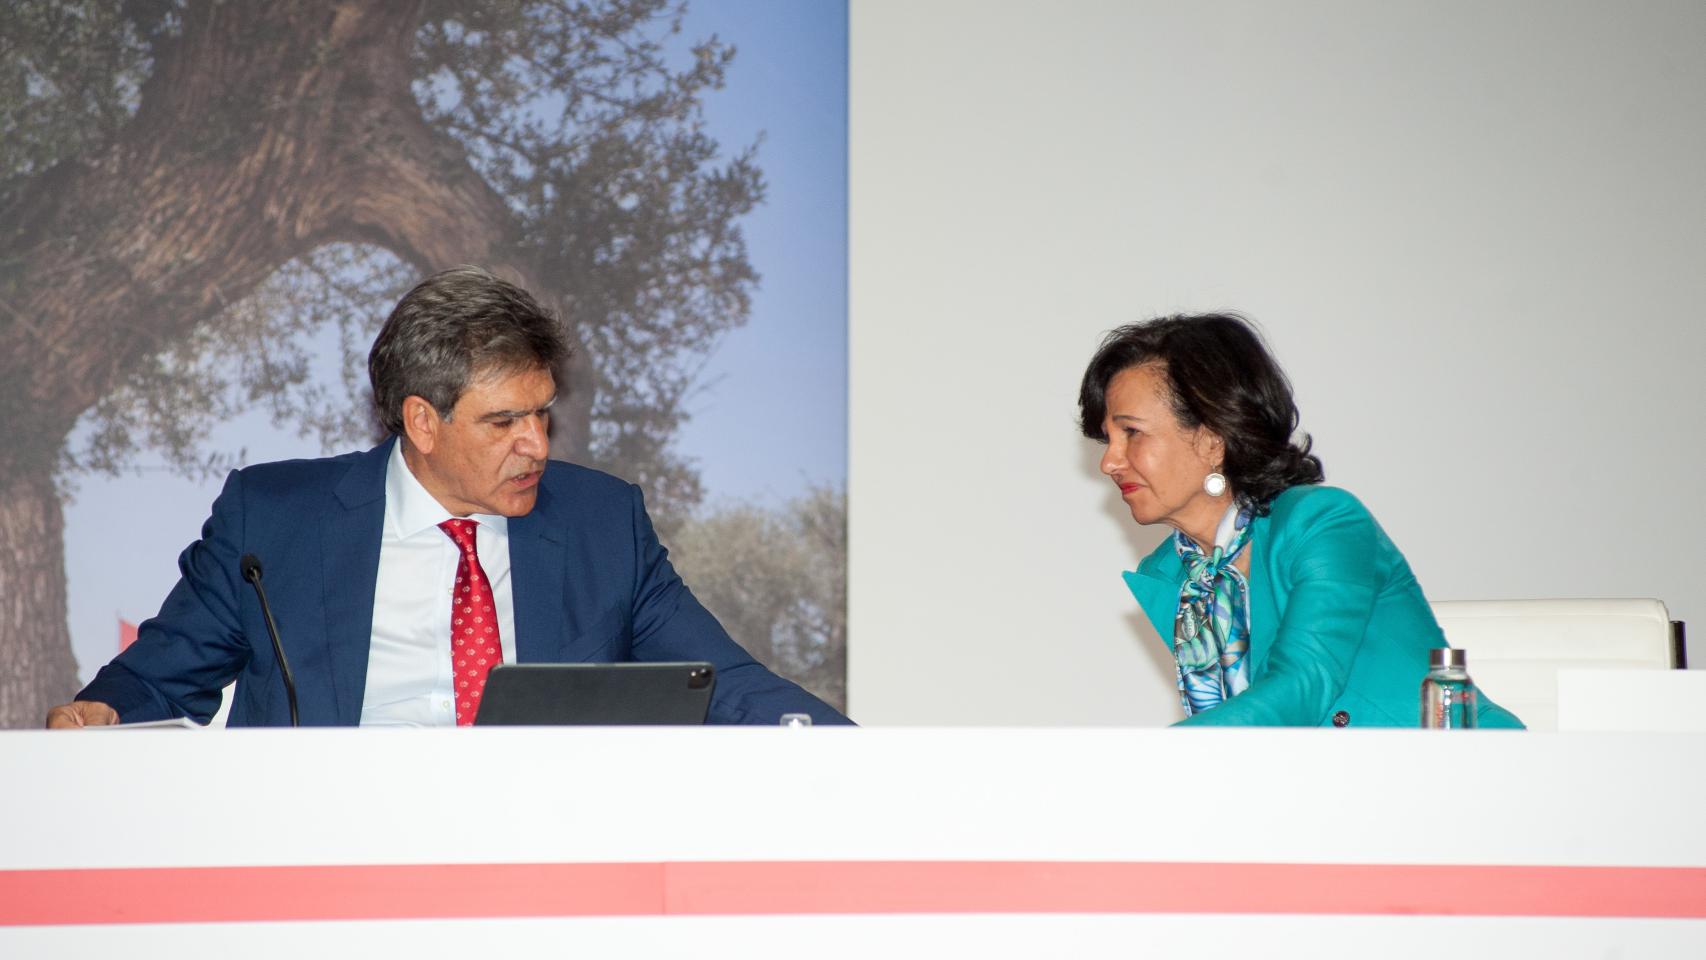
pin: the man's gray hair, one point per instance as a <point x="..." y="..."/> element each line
<point x="451" y="328"/>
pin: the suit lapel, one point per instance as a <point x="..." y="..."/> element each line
<point x="536" y="566"/>
<point x="350" y="535"/>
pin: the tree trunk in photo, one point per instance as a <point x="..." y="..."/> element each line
<point x="37" y="670"/>
<point x="263" y="132"/>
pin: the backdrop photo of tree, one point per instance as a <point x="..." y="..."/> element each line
<point x="207" y="207"/>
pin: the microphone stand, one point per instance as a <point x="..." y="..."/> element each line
<point x="252" y="573"/>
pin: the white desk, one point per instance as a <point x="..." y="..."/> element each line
<point x="843" y="842"/>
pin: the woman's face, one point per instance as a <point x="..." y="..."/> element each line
<point x="1158" y="464"/>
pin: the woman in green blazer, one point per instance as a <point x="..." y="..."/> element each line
<point x="1283" y="601"/>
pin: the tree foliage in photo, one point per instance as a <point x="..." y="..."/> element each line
<point x="777" y="580"/>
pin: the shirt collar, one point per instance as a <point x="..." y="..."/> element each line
<point x="410" y="509"/>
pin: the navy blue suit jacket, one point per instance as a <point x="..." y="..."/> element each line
<point x="591" y="584"/>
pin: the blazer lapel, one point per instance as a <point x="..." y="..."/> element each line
<point x="350" y="534"/>
<point x="536" y="565"/>
<point x="1155" y="584"/>
<point x="1264" y="595"/>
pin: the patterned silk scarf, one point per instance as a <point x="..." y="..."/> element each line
<point x="1211" y="631"/>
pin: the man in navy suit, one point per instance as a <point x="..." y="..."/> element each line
<point x="378" y="563"/>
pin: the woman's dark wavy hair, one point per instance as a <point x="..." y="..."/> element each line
<point x="1221" y="377"/>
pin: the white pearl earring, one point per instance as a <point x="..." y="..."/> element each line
<point x="1214" y="484"/>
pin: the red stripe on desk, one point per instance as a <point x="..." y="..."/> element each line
<point x="354" y="892"/>
<point x="398" y="892"/>
<point x="1100" y="887"/>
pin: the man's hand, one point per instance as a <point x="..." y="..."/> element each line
<point x="81" y="713"/>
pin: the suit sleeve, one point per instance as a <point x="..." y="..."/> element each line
<point x="1335" y="573"/>
<point x="195" y="646"/>
<point x="671" y="625"/>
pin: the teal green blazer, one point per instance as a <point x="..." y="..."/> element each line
<point x="1339" y="629"/>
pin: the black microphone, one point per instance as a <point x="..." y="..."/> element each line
<point x="252" y="573"/>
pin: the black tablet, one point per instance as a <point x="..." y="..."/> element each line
<point x="596" y="694"/>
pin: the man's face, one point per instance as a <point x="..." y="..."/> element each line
<point x="488" y="455"/>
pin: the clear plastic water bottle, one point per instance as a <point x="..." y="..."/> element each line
<point x="1448" y="695"/>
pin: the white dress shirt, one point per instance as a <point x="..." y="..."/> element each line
<point x="409" y="677"/>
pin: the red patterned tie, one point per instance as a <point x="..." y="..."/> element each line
<point x="474" y="646"/>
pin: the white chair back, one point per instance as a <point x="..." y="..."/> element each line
<point x="1516" y="647"/>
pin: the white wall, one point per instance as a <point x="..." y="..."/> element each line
<point x="1475" y="234"/>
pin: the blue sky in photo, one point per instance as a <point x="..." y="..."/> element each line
<point x="773" y="416"/>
